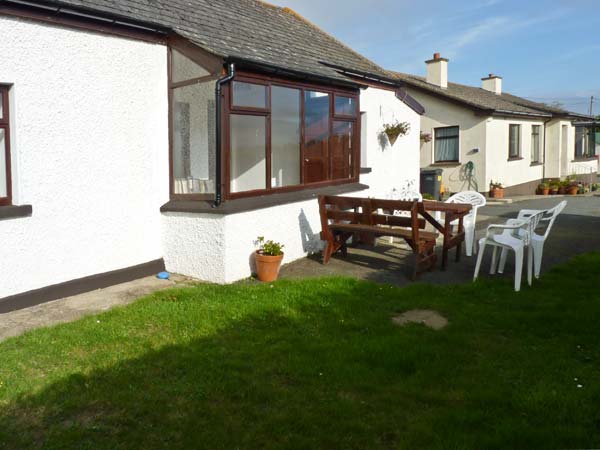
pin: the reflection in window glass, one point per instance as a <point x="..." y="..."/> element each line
<point x="193" y="112"/>
<point x="249" y="95"/>
<point x="285" y="136"/>
<point x="345" y="106"/>
<point x="514" y="141"/>
<point x="248" y="162"/>
<point x="3" y="175"/>
<point x="316" y="135"/>
<point x="341" y="150"/>
<point x="1" y="105"/>
<point x="535" y="143"/>
<point x="183" y="68"/>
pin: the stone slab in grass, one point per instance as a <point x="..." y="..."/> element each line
<point x="429" y="318"/>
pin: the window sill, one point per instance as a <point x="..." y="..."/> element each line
<point x="253" y="203"/>
<point x="365" y="170"/>
<point x="15" y="212"/>
<point x="446" y="164"/>
<point x="515" y="158"/>
<point x="535" y="164"/>
<point x="585" y="159"/>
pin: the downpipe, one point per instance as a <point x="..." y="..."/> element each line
<point x="218" y="144"/>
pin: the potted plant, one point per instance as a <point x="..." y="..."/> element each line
<point x="496" y="190"/>
<point x="543" y="189"/>
<point x="394" y="130"/>
<point x="554" y="186"/>
<point x="572" y="188"/>
<point x="268" y="259"/>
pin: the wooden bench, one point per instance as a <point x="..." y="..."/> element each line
<point x="364" y="220"/>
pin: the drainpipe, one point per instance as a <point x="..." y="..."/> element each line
<point x="219" y="94"/>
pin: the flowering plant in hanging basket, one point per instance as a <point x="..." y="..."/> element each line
<point x="394" y="130"/>
<point x="425" y="137"/>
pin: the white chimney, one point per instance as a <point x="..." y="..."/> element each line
<point x="492" y="83"/>
<point x="437" y="71"/>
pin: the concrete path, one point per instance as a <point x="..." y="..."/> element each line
<point x="72" y="308"/>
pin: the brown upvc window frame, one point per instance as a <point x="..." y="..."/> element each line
<point x="255" y="78"/>
<point x="5" y="153"/>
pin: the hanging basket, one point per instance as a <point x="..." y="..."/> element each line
<point x="394" y="130"/>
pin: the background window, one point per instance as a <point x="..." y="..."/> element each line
<point x="285" y="136"/>
<point x="248" y="152"/>
<point x="514" y="141"/>
<point x="535" y="143"/>
<point x="585" y="142"/>
<point x="249" y="95"/>
<point x="5" y="187"/>
<point x="446" y="144"/>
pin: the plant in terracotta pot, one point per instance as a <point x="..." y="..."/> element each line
<point x="573" y="188"/>
<point x="268" y="259"/>
<point x="496" y="189"/>
<point x="563" y="186"/>
<point x="394" y="130"/>
<point x="554" y="187"/>
<point x="543" y="189"/>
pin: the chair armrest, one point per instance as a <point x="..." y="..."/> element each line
<point x="524" y="213"/>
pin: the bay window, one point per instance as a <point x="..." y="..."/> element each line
<point x="281" y="135"/>
<point x="276" y="135"/>
<point x="5" y="171"/>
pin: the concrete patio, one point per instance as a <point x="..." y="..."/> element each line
<point x="576" y="230"/>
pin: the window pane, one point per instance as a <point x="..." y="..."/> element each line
<point x="341" y="150"/>
<point x="183" y="68"/>
<point x="535" y="143"/>
<point x="249" y="95"/>
<point x="446" y="144"/>
<point x="345" y="106"/>
<point x="316" y="135"/>
<point x="514" y="140"/>
<point x="194" y="139"/>
<point x="285" y="136"/>
<point x="248" y="163"/>
<point x="3" y="175"/>
<point x="579" y="141"/>
<point x="1" y="104"/>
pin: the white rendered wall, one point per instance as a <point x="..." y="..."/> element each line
<point x="472" y="141"/>
<point x="219" y="248"/>
<point x="89" y="148"/>
<point x="499" y="168"/>
<point x="393" y="167"/>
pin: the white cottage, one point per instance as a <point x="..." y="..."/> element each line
<point x="139" y="135"/>
<point x="476" y="135"/>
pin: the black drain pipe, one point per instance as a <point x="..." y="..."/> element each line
<point x="219" y="111"/>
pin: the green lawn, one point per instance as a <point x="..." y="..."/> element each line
<point x="316" y="364"/>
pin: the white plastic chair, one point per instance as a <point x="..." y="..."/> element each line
<point x="537" y="240"/>
<point x="515" y="235"/>
<point x="476" y="200"/>
<point x="404" y="195"/>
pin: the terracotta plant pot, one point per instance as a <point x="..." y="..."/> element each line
<point x="572" y="190"/>
<point x="267" y="267"/>
<point x="497" y="193"/>
<point x="553" y="191"/>
<point x="545" y="191"/>
<point x="562" y="190"/>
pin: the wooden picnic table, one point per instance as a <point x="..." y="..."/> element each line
<point x="368" y="218"/>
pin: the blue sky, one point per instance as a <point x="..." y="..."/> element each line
<point x="545" y="50"/>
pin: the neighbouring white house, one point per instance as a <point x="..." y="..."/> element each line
<point x="139" y="135"/>
<point x="476" y="135"/>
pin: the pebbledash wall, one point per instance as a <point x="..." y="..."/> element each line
<point x="89" y="142"/>
<point x="218" y="248"/>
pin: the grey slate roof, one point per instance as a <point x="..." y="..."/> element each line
<point x="483" y="100"/>
<point x="245" y="29"/>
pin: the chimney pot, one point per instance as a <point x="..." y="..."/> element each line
<point x="437" y="71"/>
<point x="436" y="56"/>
